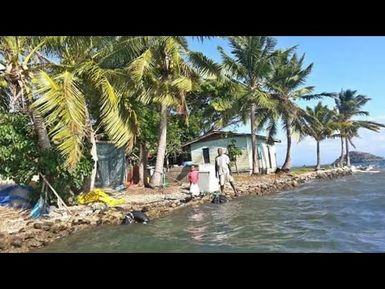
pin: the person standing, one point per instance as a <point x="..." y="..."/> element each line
<point x="193" y="177"/>
<point x="223" y="171"/>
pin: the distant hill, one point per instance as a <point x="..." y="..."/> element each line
<point x="356" y="157"/>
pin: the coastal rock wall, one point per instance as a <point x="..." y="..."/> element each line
<point x="38" y="233"/>
<point x="289" y="181"/>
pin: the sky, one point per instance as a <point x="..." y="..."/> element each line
<point x="356" y="63"/>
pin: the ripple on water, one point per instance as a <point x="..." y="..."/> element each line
<point x="344" y="215"/>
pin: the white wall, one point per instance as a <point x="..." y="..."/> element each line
<point x="244" y="162"/>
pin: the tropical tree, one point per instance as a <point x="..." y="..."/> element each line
<point x="248" y="68"/>
<point x="20" y="60"/>
<point x="325" y="128"/>
<point x="167" y="70"/>
<point x="286" y="86"/>
<point x="349" y="105"/>
<point x="86" y="89"/>
<point x="234" y="152"/>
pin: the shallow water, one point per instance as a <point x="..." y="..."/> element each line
<point x="344" y="215"/>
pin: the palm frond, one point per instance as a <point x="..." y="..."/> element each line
<point x="63" y="105"/>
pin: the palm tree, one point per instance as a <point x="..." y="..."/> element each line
<point x="249" y="68"/>
<point x="325" y="128"/>
<point x="20" y="59"/>
<point x="89" y="72"/>
<point x="285" y="84"/>
<point x="349" y="105"/>
<point x="167" y="70"/>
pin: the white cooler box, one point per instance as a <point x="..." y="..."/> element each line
<point x="207" y="182"/>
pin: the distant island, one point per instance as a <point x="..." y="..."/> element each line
<point x="356" y="157"/>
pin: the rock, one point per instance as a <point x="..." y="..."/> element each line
<point x="63" y="227"/>
<point x="17" y="242"/>
<point x="294" y="183"/>
<point x="22" y="230"/>
<point x="45" y="227"/>
<point x="55" y="229"/>
<point x="34" y="243"/>
<point x="98" y="206"/>
<point x="37" y="225"/>
<point x="3" y="244"/>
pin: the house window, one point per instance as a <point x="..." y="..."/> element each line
<point x="206" y="155"/>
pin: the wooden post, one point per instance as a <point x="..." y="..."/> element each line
<point x="59" y="199"/>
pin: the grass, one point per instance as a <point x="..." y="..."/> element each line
<point x="304" y="170"/>
<point x="299" y="171"/>
<point x="295" y="171"/>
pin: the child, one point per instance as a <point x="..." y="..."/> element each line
<point x="193" y="177"/>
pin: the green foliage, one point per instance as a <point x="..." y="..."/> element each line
<point x="325" y="118"/>
<point x="21" y="158"/>
<point x="178" y="133"/>
<point x="233" y="151"/>
<point x="148" y="120"/>
<point x="207" y="105"/>
<point x="18" y="147"/>
<point x="51" y="163"/>
<point x="349" y="104"/>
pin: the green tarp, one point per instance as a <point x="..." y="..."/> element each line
<point x="111" y="170"/>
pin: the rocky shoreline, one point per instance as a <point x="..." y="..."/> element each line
<point x="28" y="234"/>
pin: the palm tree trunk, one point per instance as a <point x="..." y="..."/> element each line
<point x="158" y="173"/>
<point x="38" y="122"/>
<point x="90" y="180"/>
<point x="318" y="166"/>
<point x="12" y="98"/>
<point x="341" y="162"/>
<point x="347" y="152"/>
<point x="40" y="130"/>
<point x="142" y="165"/>
<point x="287" y="163"/>
<point x="89" y="183"/>
<point x="254" y="149"/>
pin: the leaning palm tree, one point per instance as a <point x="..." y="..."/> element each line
<point x="285" y="84"/>
<point x="166" y="71"/>
<point x="89" y="72"/>
<point x="324" y="129"/>
<point x="349" y="105"/>
<point x="20" y="60"/>
<point x="248" y="67"/>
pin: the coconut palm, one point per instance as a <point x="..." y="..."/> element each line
<point x="167" y="70"/>
<point x="324" y="129"/>
<point x="19" y="60"/>
<point x="285" y="84"/>
<point x="248" y="67"/>
<point x="85" y="89"/>
<point x="349" y="105"/>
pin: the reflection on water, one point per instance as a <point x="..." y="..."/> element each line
<point x="346" y="215"/>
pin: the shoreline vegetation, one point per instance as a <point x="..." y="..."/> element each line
<point x="61" y="96"/>
<point x="19" y="233"/>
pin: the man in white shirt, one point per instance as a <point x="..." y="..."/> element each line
<point x="223" y="172"/>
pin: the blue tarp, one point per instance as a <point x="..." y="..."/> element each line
<point x="16" y="196"/>
<point x="41" y="208"/>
